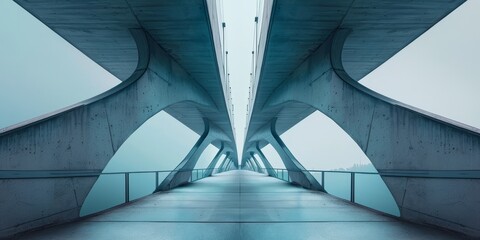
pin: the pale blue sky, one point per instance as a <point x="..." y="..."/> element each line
<point x="40" y="72"/>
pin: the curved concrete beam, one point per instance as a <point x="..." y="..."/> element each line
<point x="396" y="138"/>
<point x="84" y="137"/>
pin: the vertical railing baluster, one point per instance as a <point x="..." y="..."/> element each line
<point x="352" y="187"/>
<point x="127" y="187"/>
<point x="323" y="179"/>
<point x="156" y="179"/>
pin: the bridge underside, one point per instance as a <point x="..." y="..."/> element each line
<point x="240" y="205"/>
<point x="169" y="58"/>
<point x="312" y="56"/>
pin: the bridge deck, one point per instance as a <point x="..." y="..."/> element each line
<point x="240" y="205"/>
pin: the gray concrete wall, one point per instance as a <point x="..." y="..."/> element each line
<point x="84" y="137"/>
<point x="396" y="138"/>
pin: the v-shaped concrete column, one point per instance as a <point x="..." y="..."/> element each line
<point x="420" y="156"/>
<point x="222" y="166"/>
<point x="253" y="165"/>
<point x="271" y="172"/>
<point x="259" y="167"/>
<point x="297" y="173"/>
<point x="183" y="171"/>
<point x="82" y="139"/>
<point x="213" y="163"/>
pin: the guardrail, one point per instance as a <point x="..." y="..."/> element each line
<point x="282" y="174"/>
<point x="197" y="174"/>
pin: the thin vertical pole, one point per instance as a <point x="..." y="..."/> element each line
<point x="156" y="179"/>
<point x="323" y="179"/>
<point x="127" y="188"/>
<point x="352" y="187"/>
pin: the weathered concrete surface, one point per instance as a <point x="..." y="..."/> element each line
<point x="291" y="32"/>
<point x="241" y="205"/>
<point x="178" y="68"/>
<point x="85" y="137"/>
<point x="308" y="64"/>
<point x="188" y="30"/>
<point x="395" y="137"/>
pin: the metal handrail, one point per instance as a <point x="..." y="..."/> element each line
<point x="443" y="174"/>
<point x="39" y="174"/>
<point x="197" y="174"/>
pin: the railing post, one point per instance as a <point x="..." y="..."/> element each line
<point x="352" y="187"/>
<point x="323" y="179"/>
<point x="156" y="179"/>
<point x="127" y="188"/>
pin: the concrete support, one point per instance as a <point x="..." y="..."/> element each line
<point x="298" y="174"/>
<point x="252" y="165"/>
<point x="229" y="164"/>
<point x="213" y="163"/>
<point x="265" y="161"/>
<point x="182" y="173"/>
<point x="254" y="160"/>
<point x="222" y="166"/>
<point x="412" y="144"/>
<point x="248" y="166"/>
<point x="84" y="137"/>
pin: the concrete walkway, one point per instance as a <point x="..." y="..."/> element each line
<point x="240" y="205"/>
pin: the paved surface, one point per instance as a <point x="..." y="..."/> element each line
<point x="240" y="205"/>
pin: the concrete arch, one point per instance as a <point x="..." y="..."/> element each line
<point x="416" y="152"/>
<point x="82" y="138"/>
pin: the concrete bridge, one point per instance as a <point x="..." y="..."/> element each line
<point x="310" y="57"/>
<point x="169" y="56"/>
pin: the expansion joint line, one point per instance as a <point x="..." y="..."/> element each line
<point x="109" y="127"/>
<point x="133" y="13"/>
<point x="370" y="127"/>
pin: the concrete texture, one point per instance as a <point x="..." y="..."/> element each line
<point x="318" y="71"/>
<point x="188" y="30"/>
<point x="183" y="78"/>
<point x="240" y="205"/>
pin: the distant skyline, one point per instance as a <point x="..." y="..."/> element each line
<point x="40" y="72"/>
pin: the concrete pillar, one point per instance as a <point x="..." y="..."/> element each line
<point x="298" y="174"/>
<point x="229" y="164"/>
<point x="182" y="173"/>
<point x="412" y="149"/>
<point x="265" y="161"/>
<point x="222" y="166"/>
<point x="213" y="163"/>
<point x="254" y="160"/>
<point x="82" y="138"/>
<point x="250" y="163"/>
